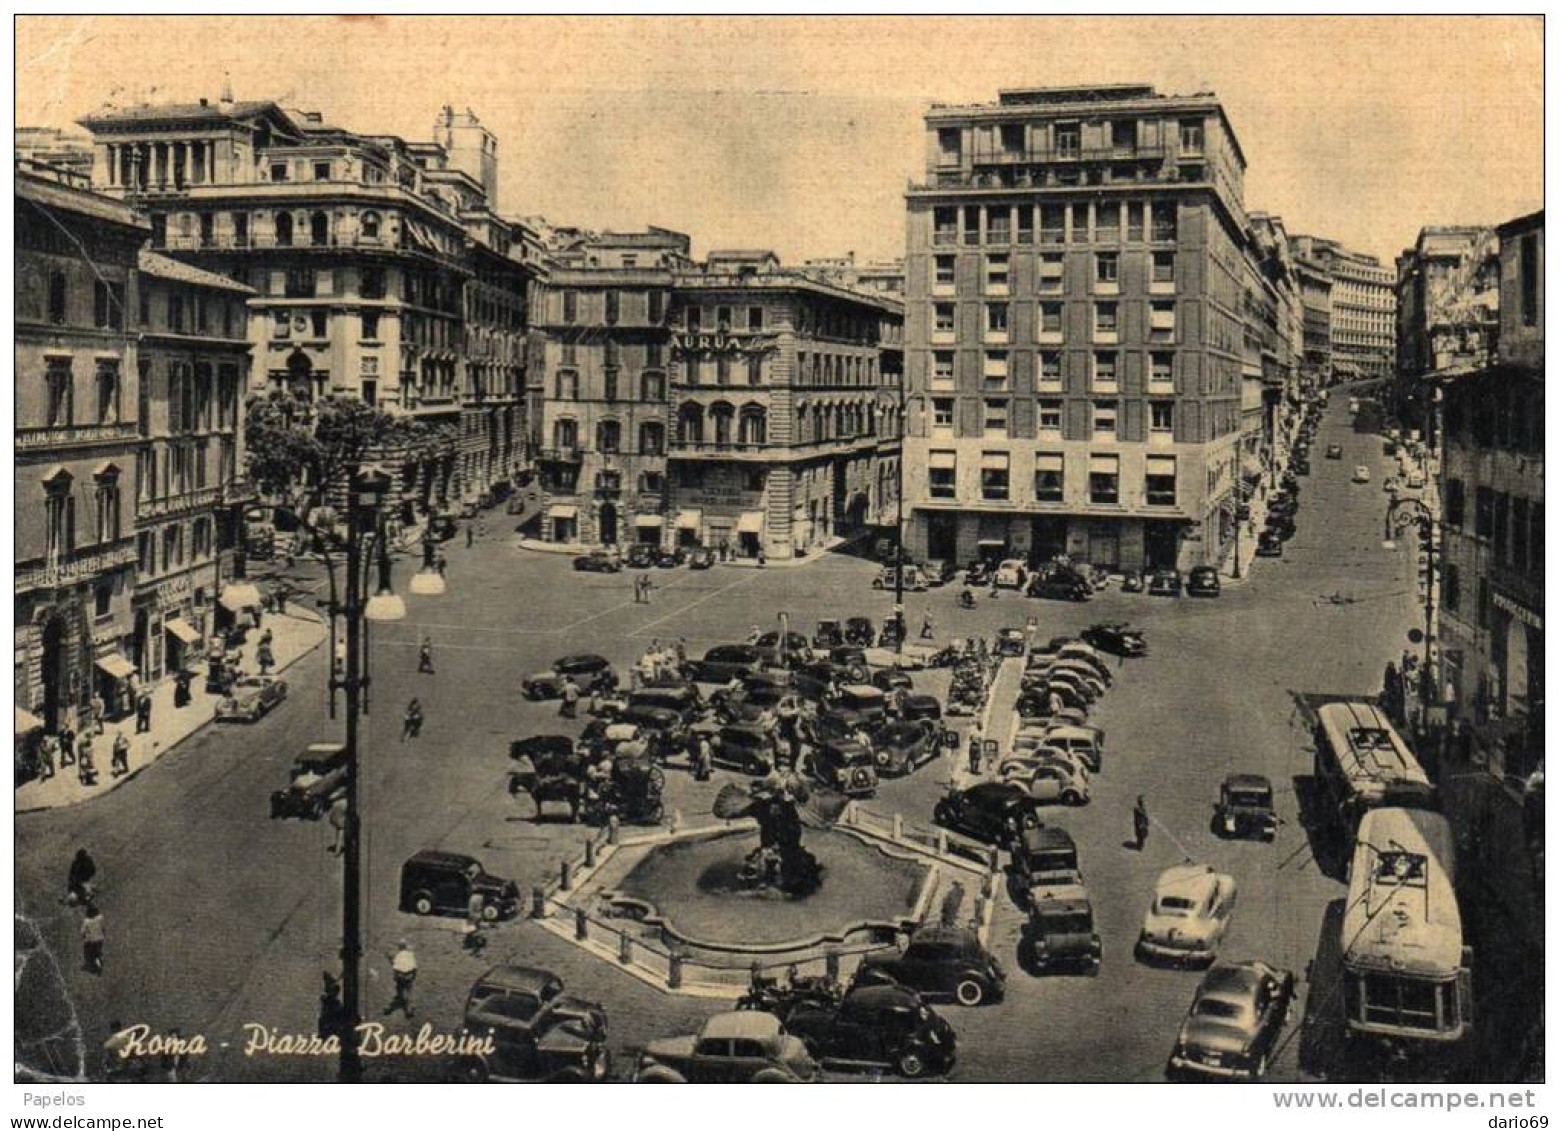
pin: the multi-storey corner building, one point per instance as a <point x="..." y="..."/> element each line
<point x="1447" y="309"/>
<point x="191" y="372"/>
<point x="1363" y="310"/>
<point x="1074" y="328"/>
<point x="1273" y="350"/>
<point x="1491" y="582"/>
<point x="360" y="250"/>
<point x="77" y="443"/>
<point x="599" y="395"/>
<point x="786" y="393"/>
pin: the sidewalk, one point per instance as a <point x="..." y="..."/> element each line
<point x="295" y="635"/>
<point x="578" y="549"/>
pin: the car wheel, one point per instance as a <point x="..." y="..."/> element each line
<point x="912" y="1065"/>
<point x="1071" y="797"/>
<point x="970" y="991"/>
<point x="489" y="913"/>
<point x="422" y="903"/>
<point x="942" y="815"/>
<point x="856" y="673"/>
<point x="659" y="1074"/>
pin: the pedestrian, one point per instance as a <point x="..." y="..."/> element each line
<point x="976" y="749"/>
<point x="86" y="770"/>
<point x="425" y="656"/>
<point x="264" y="659"/>
<point x="257" y="614"/>
<point x="475" y="905"/>
<point x="570" y="705"/>
<point x="470" y="536"/>
<point x="48" y="751"/>
<point x="703" y="759"/>
<point x="267" y="638"/>
<point x="282" y="593"/>
<point x="78" y="882"/>
<point x="927" y="628"/>
<point x="119" y="764"/>
<point x="648" y="585"/>
<point x="638" y="592"/>
<point x="143" y="712"/>
<point x="443" y="563"/>
<point x="337" y="819"/>
<point x="763" y="559"/>
<point x="1139" y="823"/>
<point x="681" y="652"/>
<point x="181" y="692"/>
<point x="92" y="939"/>
<point x="403" y="966"/>
<point x="98" y="712"/>
<point x="67" y="746"/>
<point x="411" y="726"/>
<point x="332" y="1013"/>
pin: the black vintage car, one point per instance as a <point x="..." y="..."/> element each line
<point x="1059" y="587"/>
<point x="318" y="779"/>
<point x="844" y="764"/>
<point x="901" y="747"/>
<point x="852" y="658"/>
<point x="700" y="557"/>
<point x="828" y="634"/>
<point x="583" y="668"/>
<point x="860" y="631"/>
<point x="1204" y="582"/>
<point x="725" y="662"/>
<point x="1245" y="808"/>
<point x="991" y="812"/>
<point x="641" y="555"/>
<point x="1281" y="526"/>
<point x="944" y="963"/>
<point x="670" y="558"/>
<point x="1269" y="545"/>
<point x="597" y="561"/>
<point x="1234" y="1023"/>
<point x="441" y="883"/>
<point x="892" y="679"/>
<point x="920" y="707"/>
<point x="1165" y="583"/>
<point x="873" y="1028"/>
<point x="750" y="749"/>
<point x="539" y="1033"/>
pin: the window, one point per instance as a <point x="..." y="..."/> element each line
<point x="1518" y="533"/>
<point x="108" y="305"/>
<point x="945" y="221"/>
<point x="1106" y="320"/>
<point x="1161" y="322"/>
<point x="300" y="282"/>
<point x="942" y="367"/>
<point x="613" y="307"/>
<point x="1108" y="226"/>
<point x="755" y="318"/>
<point x="996" y="274"/>
<point x="176" y="313"/>
<point x="60" y="518"/>
<point x="755" y="369"/>
<point x="996" y="321"/>
<point x="1107" y="270"/>
<point x="1104" y="476"/>
<point x="652" y="387"/>
<point x="107" y="500"/>
<point x="370" y="326"/>
<point x="1528" y="253"/>
<point x="1163" y="268"/>
<point x="281" y="324"/>
<point x="1050" y="477"/>
<point x="1134" y="214"/>
<point x="1105" y="364"/>
<point x="568" y="386"/>
<point x="996" y="365"/>
<point x="1104" y="415"/>
<point x="608" y="436"/>
<point x="753" y="426"/>
<point x="1161" y="371"/>
<point x="1484" y="518"/>
<point x="319" y="323"/>
<point x="372" y="282"/>
<point x="943" y="474"/>
<point x="1191" y="138"/>
<point x="368" y="226"/>
<point x="102" y="598"/>
<point x="1069" y="139"/>
<point x="1050" y="415"/>
<point x="1485" y="603"/>
<point x="1026" y="223"/>
<point x="1164" y="223"/>
<point x="278" y="171"/>
<point x="995" y="417"/>
<point x="609" y="384"/>
<point x="108" y="392"/>
<point x="1050" y="366"/>
<point x="657" y="306"/>
<point x="1051" y="271"/>
<point x="283" y="229"/>
<point x="971" y="224"/>
<point x="570" y="306"/>
<point x="1161" y="418"/>
<point x="60" y="381"/>
<point x="723" y="318"/>
<point x="944" y="274"/>
<point x="1451" y="588"/>
<point x="1160" y="481"/>
<point x="998" y="225"/>
<point x="723" y="369"/>
<point x="1050" y="324"/>
<point x="943" y="320"/>
<point x="942" y="413"/>
<point x="995" y="485"/>
<point x="1052" y="223"/>
<point x="1079" y="223"/>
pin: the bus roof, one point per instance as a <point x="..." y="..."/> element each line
<point x="1401" y="916"/>
<point x="1368" y="749"/>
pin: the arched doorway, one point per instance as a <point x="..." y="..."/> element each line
<point x="53" y="671"/>
<point x="300" y="375"/>
<point x="607" y="524"/>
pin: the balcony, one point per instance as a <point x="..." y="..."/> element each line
<point x="560" y="455"/>
<point x="181" y="503"/>
<point x="73" y="435"/>
<point x="80" y="566"/>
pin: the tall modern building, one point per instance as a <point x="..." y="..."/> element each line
<point x="1363" y="321"/>
<point x="1074" y="328"/>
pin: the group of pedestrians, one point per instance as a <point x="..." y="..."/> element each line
<point x="81" y="892"/>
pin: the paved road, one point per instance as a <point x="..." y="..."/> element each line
<point x="219" y="916"/>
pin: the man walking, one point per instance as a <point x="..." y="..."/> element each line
<point x="425" y="656"/>
<point x="1139" y="823"/>
<point x="443" y="563"/>
<point x="570" y="706"/>
<point x="976" y="748"/>
<point x="92" y="939"/>
<point x="411" y="726"/>
<point x="470" y="536"/>
<point x="119" y="763"/>
<point x="927" y="629"/>
<point x="143" y="712"/>
<point x="403" y="965"/>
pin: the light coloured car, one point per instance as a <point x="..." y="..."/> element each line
<point x="250" y="698"/>
<point x="1085" y="743"/>
<point x="1010" y="574"/>
<point x="1190" y="914"/>
<point x="1234" y="1025"/>
<point x="1361" y="474"/>
<point x="747" y="1047"/>
<point x="1085" y="673"/>
<point x="1054" y="780"/>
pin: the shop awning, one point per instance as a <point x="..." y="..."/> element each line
<point x="943" y="459"/>
<point x="27" y="722"/>
<point x="689" y="520"/>
<point x="1050" y="461"/>
<point x="562" y="510"/>
<point x="751" y="522"/>
<point x="181" y="628"/>
<point x="648" y="520"/>
<point x="116" y="665"/>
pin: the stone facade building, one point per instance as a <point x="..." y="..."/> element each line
<point x="1447" y="310"/>
<point x="1363" y="310"/>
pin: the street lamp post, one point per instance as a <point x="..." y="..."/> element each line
<point x="1401" y="514"/>
<point x="898" y="571"/>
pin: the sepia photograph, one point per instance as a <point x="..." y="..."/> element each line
<point x="780" y="549"/>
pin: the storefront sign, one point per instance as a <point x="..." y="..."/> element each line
<point x="1520" y="612"/>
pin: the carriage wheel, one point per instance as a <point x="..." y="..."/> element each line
<point x="654" y="812"/>
<point x="657" y="779"/>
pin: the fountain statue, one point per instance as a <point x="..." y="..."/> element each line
<point x="780" y="862"/>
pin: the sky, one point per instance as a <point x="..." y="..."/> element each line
<point x="800" y="134"/>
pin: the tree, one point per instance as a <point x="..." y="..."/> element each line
<point x="298" y="450"/>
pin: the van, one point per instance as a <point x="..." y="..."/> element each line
<point x="441" y="883"/>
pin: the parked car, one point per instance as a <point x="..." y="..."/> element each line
<point x="944" y="963"/>
<point x="1204" y="582"/>
<point x="1060" y="932"/>
<point x="1059" y="587"/>
<point x="761" y="703"/>
<point x="1191" y="910"/>
<point x="1334" y="451"/>
<point x="796" y="649"/>
<point x="1281" y="526"/>
<point x="1133" y="581"/>
<point x="1043" y="857"/>
<point x="901" y="747"/>
<point x="700" y="557"/>
<point x="939" y="571"/>
<point x="1361" y="473"/>
<point x="670" y="557"/>
<point x="992" y="812"/>
<point x="914" y="580"/>
<point x="921" y="707"/>
<point x="539" y="1034"/>
<point x="1245" y="808"/>
<point x="682" y="698"/>
<point x="1116" y="638"/>
<point x="1269" y="545"/>
<point x="1232" y="1028"/>
<point x="892" y="679"/>
<point x="851" y="658"/>
<point x="250" y="698"/>
<point x="745" y="747"/>
<point x="875" y="1028"/>
<point x="1165" y="583"/>
<point x="842" y="763"/>
<point x="725" y="662"/>
<point x="860" y="631"/>
<point x="1085" y="743"/>
<point x="1011" y="574"/>
<point x="1049" y="779"/>
<point x="858" y="705"/>
<point x="1011" y="642"/>
<point x="318" y="780"/>
<point x="828" y="634"/>
<point x="742" y="1047"/>
<point x="582" y="668"/>
<point x="442" y="883"/>
<point x="597" y="561"/>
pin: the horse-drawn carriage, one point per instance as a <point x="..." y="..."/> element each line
<point x="593" y="781"/>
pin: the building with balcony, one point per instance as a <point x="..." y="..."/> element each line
<point x="1491" y="519"/>
<point x="1075" y="329"/>
<point x="360" y="250"/>
<point x="1315" y="292"/>
<point x="1363" y="310"/>
<point x="1447" y="310"/>
<point x="76" y="355"/>
<point x="599" y="395"/>
<point x="1274" y="329"/>
<point x="192" y="370"/>
<point x="786" y="407"/>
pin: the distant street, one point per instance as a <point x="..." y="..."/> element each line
<point x="217" y="915"/>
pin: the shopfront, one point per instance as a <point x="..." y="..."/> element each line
<point x="749" y="534"/>
<point x="563" y="523"/>
<point x="690" y="526"/>
<point x="647" y="528"/>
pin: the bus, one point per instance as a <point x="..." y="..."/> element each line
<point x="1407" y="980"/>
<point x="1361" y="763"/>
